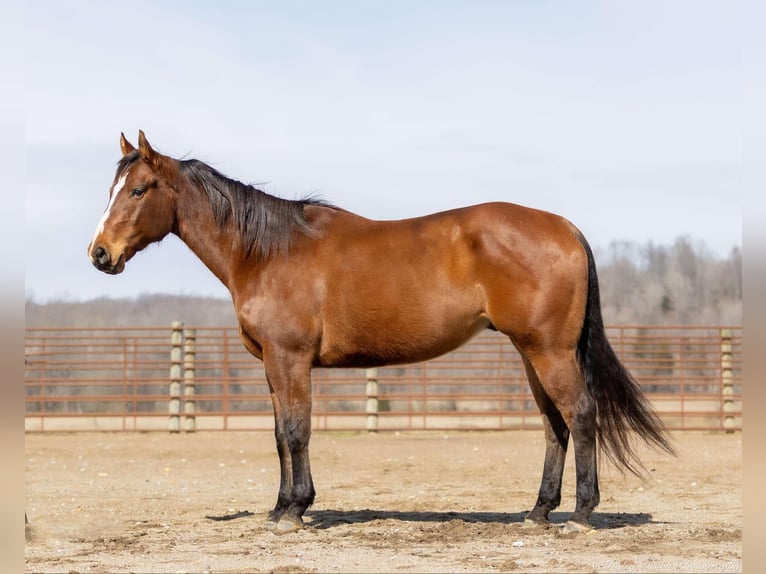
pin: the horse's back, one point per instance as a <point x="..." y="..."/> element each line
<point x="511" y="224"/>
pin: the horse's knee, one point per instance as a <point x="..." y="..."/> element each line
<point x="297" y="434"/>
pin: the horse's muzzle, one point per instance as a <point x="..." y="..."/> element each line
<point x="102" y="260"/>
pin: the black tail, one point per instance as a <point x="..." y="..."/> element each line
<point x="621" y="405"/>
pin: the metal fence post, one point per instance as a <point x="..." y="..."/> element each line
<point x="372" y="400"/>
<point x="190" y="339"/>
<point x="174" y="406"/>
<point x="727" y="381"/>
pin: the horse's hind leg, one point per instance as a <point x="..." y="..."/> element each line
<point x="556" y="442"/>
<point x="562" y="384"/>
<point x="583" y="427"/>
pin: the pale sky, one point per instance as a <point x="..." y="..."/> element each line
<point x="624" y="117"/>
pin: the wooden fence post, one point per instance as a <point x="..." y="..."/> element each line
<point x="174" y="406"/>
<point x="190" y="339"/>
<point x="372" y="400"/>
<point x="727" y="381"/>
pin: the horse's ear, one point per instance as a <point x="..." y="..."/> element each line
<point x="147" y="153"/>
<point x="125" y="145"/>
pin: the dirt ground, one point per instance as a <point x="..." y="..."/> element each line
<point x="391" y="502"/>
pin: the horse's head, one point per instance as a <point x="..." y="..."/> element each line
<point x="141" y="209"/>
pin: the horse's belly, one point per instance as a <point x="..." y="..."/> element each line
<point x="387" y="344"/>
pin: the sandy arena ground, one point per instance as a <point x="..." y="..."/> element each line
<point x="409" y="502"/>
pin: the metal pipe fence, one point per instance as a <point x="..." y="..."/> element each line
<point x="181" y="380"/>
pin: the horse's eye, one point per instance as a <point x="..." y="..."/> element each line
<point x="137" y="192"/>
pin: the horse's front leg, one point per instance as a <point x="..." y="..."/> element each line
<point x="285" y="465"/>
<point x="289" y="379"/>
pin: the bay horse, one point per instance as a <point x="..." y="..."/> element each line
<point x="314" y="285"/>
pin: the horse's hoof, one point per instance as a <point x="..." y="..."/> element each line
<point x="571" y="527"/>
<point x="535" y="523"/>
<point x="272" y="519"/>
<point x="286" y="525"/>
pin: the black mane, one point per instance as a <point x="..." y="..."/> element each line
<point x="266" y="223"/>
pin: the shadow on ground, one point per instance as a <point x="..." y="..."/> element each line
<point x="322" y="519"/>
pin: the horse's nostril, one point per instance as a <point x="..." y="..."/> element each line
<point x="100" y="255"/>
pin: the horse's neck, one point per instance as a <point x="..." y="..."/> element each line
<point x="215" y="247"/>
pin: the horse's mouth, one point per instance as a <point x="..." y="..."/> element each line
<point x="111" y="269"/>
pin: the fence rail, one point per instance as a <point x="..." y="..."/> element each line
<point x="182" y="380"/>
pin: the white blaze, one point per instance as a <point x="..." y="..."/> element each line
<point x="117" y="188"/>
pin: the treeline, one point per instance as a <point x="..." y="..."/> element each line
<point x="681" y="284"/>
<point x="645" y="283"/>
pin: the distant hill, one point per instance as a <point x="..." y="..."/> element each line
<point x="143" y="311"/>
